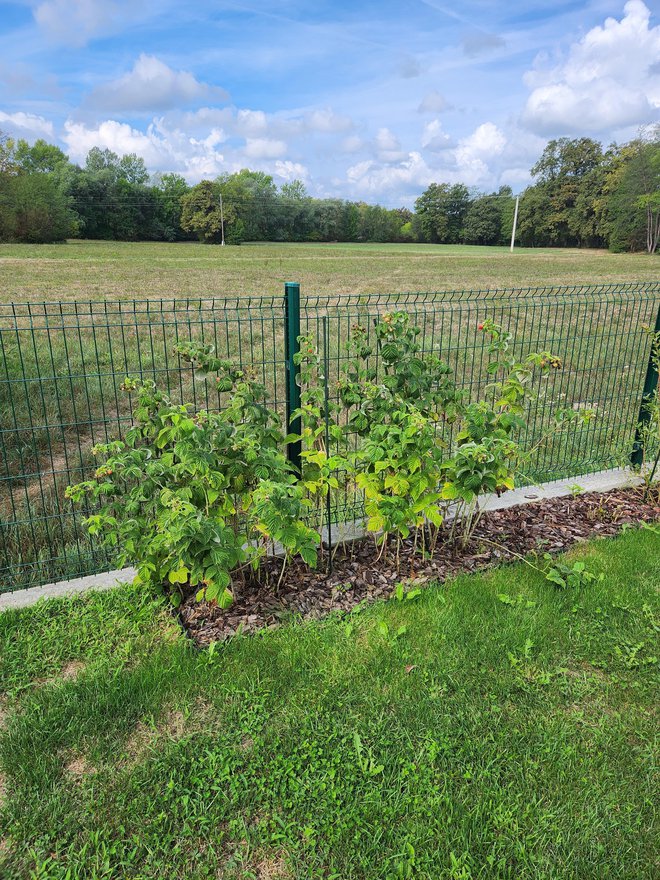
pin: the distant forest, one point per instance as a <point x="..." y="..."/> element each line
<point x="582" y="196"/>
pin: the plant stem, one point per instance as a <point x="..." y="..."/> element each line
<point x="513" y="553"/>
<point x="279" y="582"/>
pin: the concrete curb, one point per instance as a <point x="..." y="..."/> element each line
<point x="603" y="481"/>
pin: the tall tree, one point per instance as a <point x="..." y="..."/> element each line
<point x="102" y="160"/>
<point x="132" y="168"/>
<point x="561" y="171"/>
<point x="633" y="194"/>
<point x="40" y="158"/>
<point x="200" y="212"/>
<point x="442" y="210"/>
<point x="7" y="148"/>
<point x="483" y="221"/>
<point x="170" y="190"/>
<point x="36" y="211"/>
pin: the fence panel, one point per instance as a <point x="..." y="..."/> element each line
<point x="597" y="331"/>
<point x="61" y="365"/>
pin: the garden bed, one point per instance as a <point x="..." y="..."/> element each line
<point x="358" y="575"/>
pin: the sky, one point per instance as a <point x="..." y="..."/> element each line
<point x="367" y="101"/>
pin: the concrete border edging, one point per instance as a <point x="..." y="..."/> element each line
<point x="602" y="481"/>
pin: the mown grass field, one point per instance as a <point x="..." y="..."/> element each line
<point x="91" y="270"/>
<point x="508" y="732"/>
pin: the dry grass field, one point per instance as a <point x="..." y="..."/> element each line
<point x="102" y="269"/>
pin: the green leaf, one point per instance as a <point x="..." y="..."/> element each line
<point x="178" y="575"/>
<point x="555" y="578"/>
<point x="309" y="555"/>
<point x="226" y="598"/>
<point x="375" y="523"/>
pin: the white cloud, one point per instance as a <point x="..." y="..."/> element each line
<point x="352" y="144"/>
<point x="327" y="121"/>
<point x="290" y="171"/>
<point x="264" y="148"/>
<point x="151" y="86"/>
<point x="434" y="138"/>
<point x="217" y="136"/>
<point x="605" y="83"/>
<point x="75" y="22"/>
<point x="27" y="123"/>
<point x="474" y="152"/>
<point x="433" y="102"/>
<point x="388" y="146"/>
<point x="371" y="178"/>
<point x="485" y="140"/>
<point x="251" y="123"/>
<point x="118" y="137"/>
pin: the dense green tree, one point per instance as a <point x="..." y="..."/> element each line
<point x="250" y="202"/>
<point x="564" y="157"/>
<point x="132" y="168"/>
<point x="585" y="220"/>
<point x="40" y="158"/>
<point x="200" y="212"/>
<point x="564" y="170"/>
<point x="7" y="148"/>
<point x="442" y="210"/>
<point x="483" y="221"/>
<point x="102" y="160"/>
<point x="35" y="210"/>
<point x="633" y="195"/>
<point x="533" y="217"/>
<point x="581" y="196"/>
<point x="170" y="190"/>
<point x="294" y="191"/>
<point x="293" y="206"/>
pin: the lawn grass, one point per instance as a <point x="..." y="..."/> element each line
<point x="507" y="731"/>
<point x="86" y="270"/>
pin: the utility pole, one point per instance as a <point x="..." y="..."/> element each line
<point x="222" y="222"/>
<point x="515" y="223"/>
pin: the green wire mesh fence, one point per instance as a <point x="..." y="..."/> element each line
<point x="62" y="364"/>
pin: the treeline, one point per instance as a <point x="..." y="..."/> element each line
<point x="582" y="196"/>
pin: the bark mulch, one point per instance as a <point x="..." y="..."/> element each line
<point x="550" y="526"/>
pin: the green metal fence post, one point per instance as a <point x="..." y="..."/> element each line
<point x="291" y="348"/>
<point x="650" y="384"/>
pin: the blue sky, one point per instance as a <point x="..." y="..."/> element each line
<point x="364" y="100"/>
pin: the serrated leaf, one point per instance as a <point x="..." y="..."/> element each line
<point x="226" y="598"/>
<point x="178" y="575"/>
<point x="375" y="523"/>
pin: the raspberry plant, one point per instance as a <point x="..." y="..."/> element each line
<point x="199" y="498"/>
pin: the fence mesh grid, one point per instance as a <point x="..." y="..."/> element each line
<point x="62" y="364"/>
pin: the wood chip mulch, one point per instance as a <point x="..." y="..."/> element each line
<point x="550" y="525"/>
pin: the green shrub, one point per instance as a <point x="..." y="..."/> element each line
<point x="198" y="498"/>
